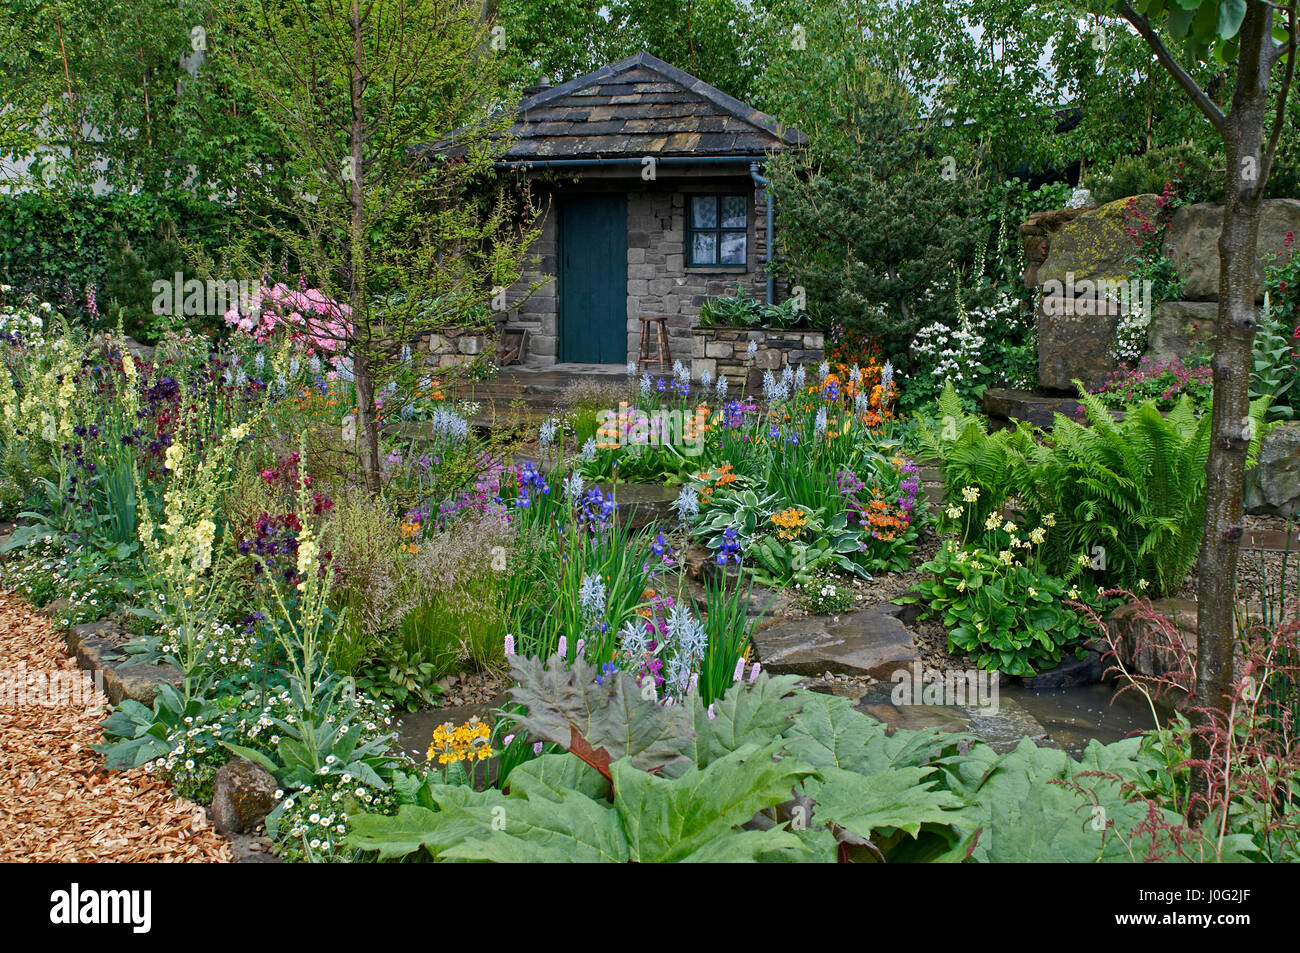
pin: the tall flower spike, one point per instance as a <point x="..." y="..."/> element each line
<point x="739" y="673"/>
<point x="753" y="673"/>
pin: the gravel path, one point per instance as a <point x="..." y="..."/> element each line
<point x="57" y="802"/>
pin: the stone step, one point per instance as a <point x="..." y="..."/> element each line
<point x="871" y="642"/>
<point x="1037" y="409"/>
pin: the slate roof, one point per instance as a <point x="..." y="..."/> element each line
<point x="641" y="106"/>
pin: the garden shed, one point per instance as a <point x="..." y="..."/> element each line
<point x="656" y="200"/>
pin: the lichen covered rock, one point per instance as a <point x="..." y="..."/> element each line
<point x="1093" y="245"/>
<point x="242" y="796"/>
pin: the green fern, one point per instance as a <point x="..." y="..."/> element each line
<point x="1127" y="495"/>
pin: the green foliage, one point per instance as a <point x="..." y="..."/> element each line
<point x="742" y="311"/>
<point x="724" y="612"/>
<point x="875" y="212"/>
<point x="59" y="245"/>
<point x="1008" y="617"/>
<point x="1276" y="357"/>
<point x="1186" y="167"/>
<point x="1037" y="805"/>
<point x="405" y="679"/>
<point x="137" y="734"/>
<point x="830" y="544"/>
<point x="1126" y="496"/>
<point x="716" y="40"/>
<point x="372" y="216"/>
<point x="768" y="775"/>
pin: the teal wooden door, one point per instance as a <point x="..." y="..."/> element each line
<point x="593" y="279"/>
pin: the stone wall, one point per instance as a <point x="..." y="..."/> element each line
<point x="1067" y="250"/>
<point x="659" y="283"/>
<point x="658" y="280"/>
<point x="1075" y="332"/>
<point x="538" y="312"/>
<point x="724" y="352"/>
<point x="450" y="347"/>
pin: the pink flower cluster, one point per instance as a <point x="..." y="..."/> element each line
<point x="315" y="323"/>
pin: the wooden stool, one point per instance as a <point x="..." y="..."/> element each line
<point x="661" y="340"/>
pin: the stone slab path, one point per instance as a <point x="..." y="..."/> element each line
<point x="871" y="642"/>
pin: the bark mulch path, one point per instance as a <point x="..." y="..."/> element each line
<point x="57" y="801"/>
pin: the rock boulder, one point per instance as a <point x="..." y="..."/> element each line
<point x="1274" y="485"/>
<point x="1146" y="647"/>
<point x="1093" y="245"/>
<point x="1192" y="241"/>
<point x="242" y="795"/>
<point x="1178" y="328"/>
<point x="1074" y="340"/>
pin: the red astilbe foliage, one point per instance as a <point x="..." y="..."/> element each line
<point x="1153" y="839"/>
<point x="1253" y="749"/>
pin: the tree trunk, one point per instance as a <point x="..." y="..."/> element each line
<point x="367" y="426"/>
<point x="1231" y="429"/>
<point x="362" y="332"/>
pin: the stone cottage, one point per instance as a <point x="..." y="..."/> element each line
<point x="656" y="201"/>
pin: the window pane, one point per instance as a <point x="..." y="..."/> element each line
<point x="733" y="248"/>
<point x="733" y="211"/>
<point x="703" y="251"/>
<point x="704" y="211"/>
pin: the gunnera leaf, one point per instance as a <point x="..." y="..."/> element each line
<point x="746" y="714"/>
<point x="567" y="705"/>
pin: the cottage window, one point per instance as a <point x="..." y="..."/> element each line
<point x="718" y="230"/>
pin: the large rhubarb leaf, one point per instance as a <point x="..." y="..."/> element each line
<point x="829" y="733"/>
<point x="1039" y="805"/>
<point x="746" y="714"/>
<point x="569" y="828"/>
<point x="603" y="721"/>
<point x="874" y="806"/>
<point x="461" y="813"/>
<point x="693" y="818"/>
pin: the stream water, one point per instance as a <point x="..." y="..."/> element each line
<point x="1066" y="718"/>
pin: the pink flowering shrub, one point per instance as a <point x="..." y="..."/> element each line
<point x="317" y="325"/>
